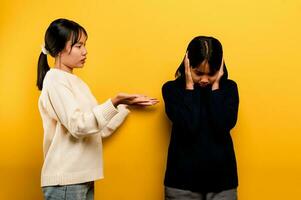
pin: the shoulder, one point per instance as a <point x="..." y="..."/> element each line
<point x="230" y="88"/>
<point x="173" y="84"/>
<point x="173" y="89"/>
<point x="228" y="84"/>
<point x="53" y="77"/>
<point x="56" y="78"/>
<point x="168" y="84"/>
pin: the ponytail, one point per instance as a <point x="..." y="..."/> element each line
<point x="43" y="68"/>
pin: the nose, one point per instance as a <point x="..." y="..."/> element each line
<point x="204" y="81"/>
<point x="84" y="52"/>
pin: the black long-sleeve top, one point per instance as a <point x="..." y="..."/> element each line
<point x="201" y="155"/>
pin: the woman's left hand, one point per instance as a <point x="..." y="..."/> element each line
<point x="134" y="99"/>
<point x="218" y="75"/>
<point x="143" y="100"/>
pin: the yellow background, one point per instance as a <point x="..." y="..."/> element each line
<point x="135" y="46"/>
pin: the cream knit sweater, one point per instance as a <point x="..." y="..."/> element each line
<point x="74" y="125"/>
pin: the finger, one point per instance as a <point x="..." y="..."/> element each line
<point x="187" y="64"/>
<point x="186" y="67"/>
<point x="222" y="68"/>
<point x="150" y="97"/>
<point x="222" y="64"/>
<point x="145" y="98"/>
<point x="145" y="101"/>
<point x="145" y="104"/>
<point x="153" y="99"/>
<point x="187" y="59"/>
<point x="188" y="71"/>
<point x="155" y="102"/>
<point x="138" y="100"/>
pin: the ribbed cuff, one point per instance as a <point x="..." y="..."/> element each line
<point x="105" y="112"/>
<point x="119" y="118"/>
<point x="108" y="110"/>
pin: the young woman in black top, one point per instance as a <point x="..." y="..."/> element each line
<point x="202" y="104"/>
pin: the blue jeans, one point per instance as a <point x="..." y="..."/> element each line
<point x="82" y="191"/>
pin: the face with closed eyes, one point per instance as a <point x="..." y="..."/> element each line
<point x="202" y="76"/>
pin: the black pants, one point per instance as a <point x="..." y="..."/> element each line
<point x="178" y="194"/>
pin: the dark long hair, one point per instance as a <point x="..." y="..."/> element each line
<point x="59" y="32"/>
<point x="203" y="48"/>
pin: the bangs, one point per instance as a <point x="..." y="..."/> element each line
<point x="76" y="35"/>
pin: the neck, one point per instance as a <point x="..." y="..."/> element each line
<point x="63" y="67"/>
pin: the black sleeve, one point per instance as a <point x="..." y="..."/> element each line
<point x="224" y="107"/>
<point x="181" y="106"/>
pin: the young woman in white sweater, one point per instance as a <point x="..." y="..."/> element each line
<point x="73" y="121"/>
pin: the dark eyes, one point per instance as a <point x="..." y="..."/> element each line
<point x="79" y="45"/>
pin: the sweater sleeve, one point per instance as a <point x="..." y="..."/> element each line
<point x="116" y="121"/>
<point x="224" y="107"/>
<point x="182" y="107"/>
<point x="70" y="115"/>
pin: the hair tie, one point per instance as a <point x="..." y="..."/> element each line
<point x="44" y="50"/>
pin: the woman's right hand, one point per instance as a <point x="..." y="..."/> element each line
<point x="133" y="99"/>
<point x="188" y="77"/>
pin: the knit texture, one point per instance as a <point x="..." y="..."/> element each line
<point x="74" y="125"/>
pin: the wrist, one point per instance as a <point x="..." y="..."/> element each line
<point x="215" y="86"/>
<point x="189" y="87"/>
<point x="115" y="101"/>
